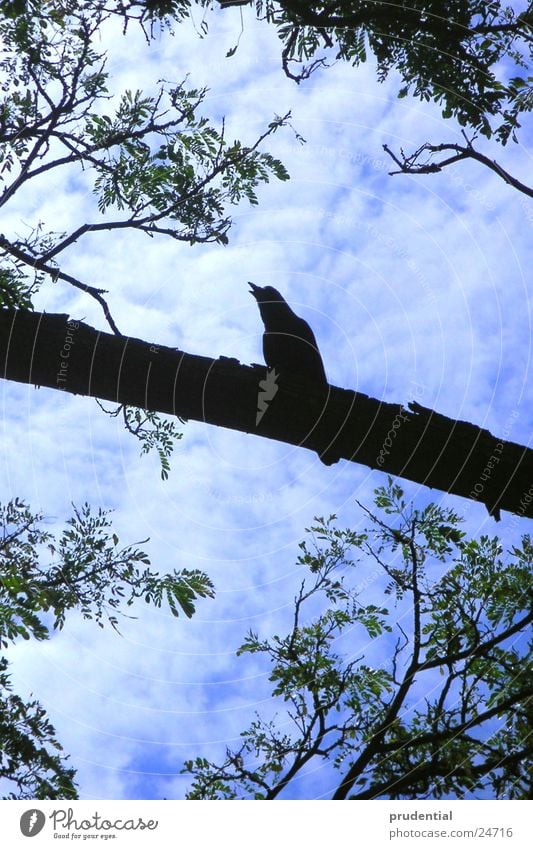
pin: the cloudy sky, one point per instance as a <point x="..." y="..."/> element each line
<point x="416" y="287"/>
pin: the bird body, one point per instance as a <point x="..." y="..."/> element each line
<point x="289" y="344"/>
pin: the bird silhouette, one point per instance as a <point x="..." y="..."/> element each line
<point x="289" y="344"/>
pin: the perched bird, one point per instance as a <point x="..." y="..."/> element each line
<point x="289" y="344"/>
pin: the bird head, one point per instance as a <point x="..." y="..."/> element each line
<point x="266" y="294"/>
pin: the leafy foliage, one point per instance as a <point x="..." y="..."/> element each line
<point x="90" y="573"/>
<point x="15" y="290"/>
<point x="155" y="164"/>
<point x="447" y="713"/>
<point x="152" y="430"/>
<point x="465" y="55"/>
<point x="30" y="754"/>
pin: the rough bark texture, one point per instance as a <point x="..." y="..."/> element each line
<point x="415" y="443"/>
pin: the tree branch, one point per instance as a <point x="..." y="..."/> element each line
<point x="479" y="650"/>
<point x="455" y="731"/>
<point x="407" y="784"/>
<point x="391" y="713"/>
<point x="57" y="274"/>
<point x="429" y="448"/>
<point x="410" y="164"/>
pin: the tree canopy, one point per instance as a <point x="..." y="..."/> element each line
<point x="469" y="56"/>
<point x="154" y="163"/>
<point x="445" y="713"/>
<point x="87" y="571"/>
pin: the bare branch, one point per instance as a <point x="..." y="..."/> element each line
<point x="40" y="265"/>
<point x="412" y="165"/>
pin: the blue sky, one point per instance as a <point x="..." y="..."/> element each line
<point x="416" y="287"/>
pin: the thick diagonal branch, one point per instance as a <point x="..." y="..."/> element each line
<point x="415" y="442"/>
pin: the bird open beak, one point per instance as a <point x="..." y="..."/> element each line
<point x="254" y="289"/>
